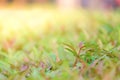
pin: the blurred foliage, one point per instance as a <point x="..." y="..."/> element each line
<point x="54" y="45"/>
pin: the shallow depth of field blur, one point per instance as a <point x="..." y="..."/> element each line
<point x="59" y="40"/>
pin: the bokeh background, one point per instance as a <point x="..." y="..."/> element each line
<point x="59" y="39"/>
<point x="106" y="4"/>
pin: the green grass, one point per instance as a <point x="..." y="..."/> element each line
<point x="75" y="46"/>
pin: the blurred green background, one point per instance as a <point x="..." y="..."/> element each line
<point x="59" y="40"/>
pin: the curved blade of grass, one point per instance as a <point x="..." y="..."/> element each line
<point x="71" y="49"/>
<point x="74" y="53"/>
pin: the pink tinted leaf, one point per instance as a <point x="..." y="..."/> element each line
<point x="24" y="68"/>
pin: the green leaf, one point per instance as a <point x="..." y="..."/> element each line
<point x="74" y="53"/>
<point x="71" y="49"/>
